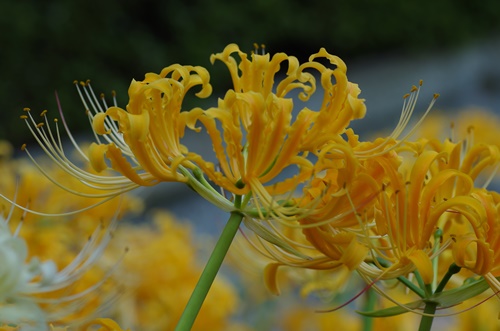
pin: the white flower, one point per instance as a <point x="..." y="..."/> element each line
<point x="22" y="281"/>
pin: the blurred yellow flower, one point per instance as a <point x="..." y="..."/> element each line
<point x="158" y="275"/>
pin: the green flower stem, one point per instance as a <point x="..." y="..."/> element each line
<point x="371" y="300"/>
<point x="453" y="269"/>
<point x="438" y="236"/>
<point x="208" y="275"/>
<point x="411" y="286"/>
<point x="426" y="321"/>
<point x="430" y="306"/>
<point x="405" y="281"/>
<point x="421" y="283"/>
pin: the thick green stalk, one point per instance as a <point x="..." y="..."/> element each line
<point x="208" y="275"/>
<point x="426" y="321"/>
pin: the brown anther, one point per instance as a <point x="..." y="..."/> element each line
<point x="56" y="120"/>
<point x="23" y="147"/>
<point x="26" y="109"/>
<point x="82" y="83"/>
<point x="414" y="89"/>
<point x="39" y="125"/>
<point x="87" y="82"/>
<point x="113" y="93"/>
<point x="75" y="82"/>
<point x="23" y="117"/>
<point x="101" y="95"/>
<point x="420" y="82"/>
<point x="436" y="95"/>
<point x="43" y="112"/>
<point x="406" y="95"/>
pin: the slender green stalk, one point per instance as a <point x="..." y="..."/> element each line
<point x="405" y="281"/>
<point x="421" y="283"/>
<point x="411" y="286"/>
<point x="430" y="306"/>
<point x="208" y="275"/>
<point x="370" y="301"/>
<point x="453" y="269"/>
<point x="438" y="236"/>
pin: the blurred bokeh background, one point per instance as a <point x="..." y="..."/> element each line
<point x="388" y="45"/>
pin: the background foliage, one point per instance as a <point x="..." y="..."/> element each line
<point x="44" y="46"/>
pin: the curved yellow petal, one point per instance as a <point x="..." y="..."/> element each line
<point x="96" y="154"/>
<point x="474" y="254"/>
<point x="270" y="278"/>
<point x="423" y="264"/>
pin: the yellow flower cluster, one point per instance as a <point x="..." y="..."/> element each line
<point x="416" y="211"/>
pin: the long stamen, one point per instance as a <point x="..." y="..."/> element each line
<point x="409" y="104"/>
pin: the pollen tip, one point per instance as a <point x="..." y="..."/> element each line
<point x="43" y="113"/>
<point x="436" y="95"/>
<point x="406" y="95"/>
<point x="413" y="89"/>
<point x="101" y="95"/>
<point x="75" y="82"/>
<point x="23" y="147"/>
<point x="82" y="83"/>
<point x="420" y="82"/>
<point x="26" y="109"/>
<point x="23" y="117"/>
<point x="87" y="82"/>
<point x="39" y="125"/>
<point x="113" y="93"/>
<point x="56" y="120"/>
